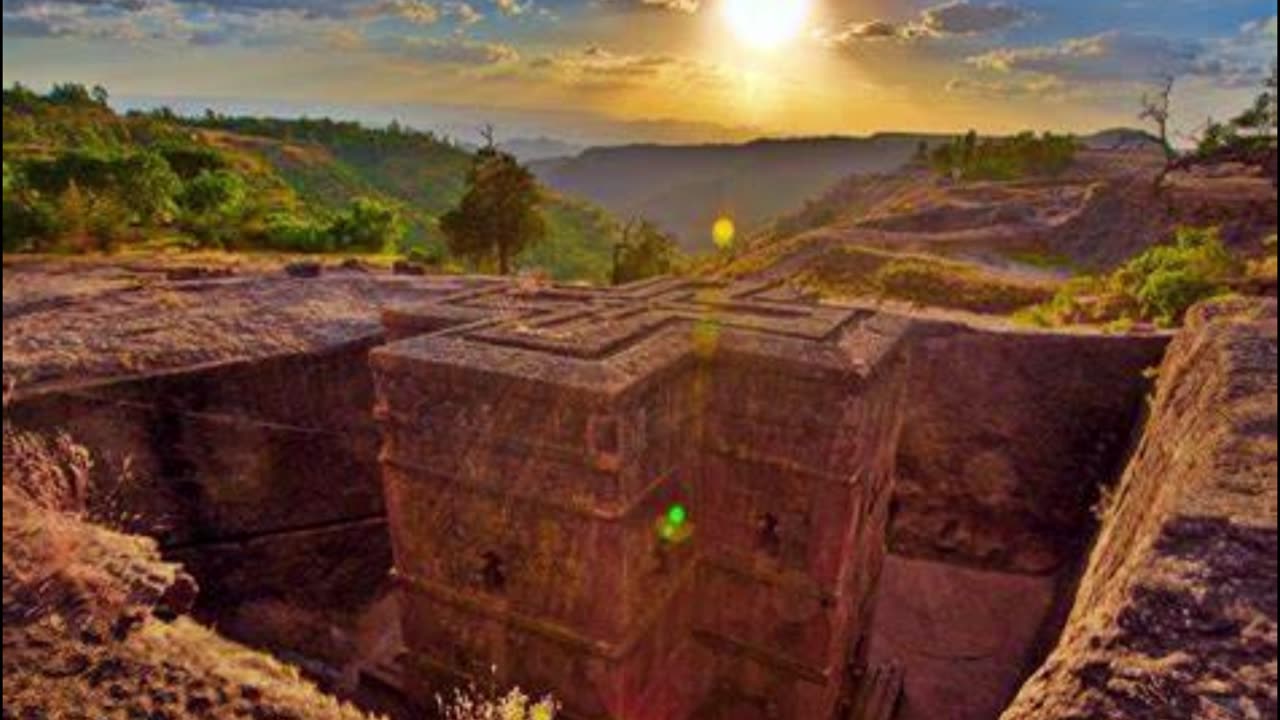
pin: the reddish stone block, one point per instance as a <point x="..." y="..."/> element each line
<point x="662" y="502"/>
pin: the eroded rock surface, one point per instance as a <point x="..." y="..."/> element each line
<point x="1009" y="438"/>
<point x="227" y="416"/>
<point x="93" y="629"/>
<point x="72" y="322"/>
<point x="1177" y="614"/>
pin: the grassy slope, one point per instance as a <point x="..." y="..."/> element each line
<point x="424" y="178"/>
<point x="425" y="184"/>
<point x="851" y="271"/>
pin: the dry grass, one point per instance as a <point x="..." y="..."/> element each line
<point x="853" y="272"/>
<point x="473" y="705"/>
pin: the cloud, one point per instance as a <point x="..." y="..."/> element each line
<point x="1260" y="30"/>
<point x="598" y="68"/>
<point x="17" y="6"/>
<point x="1115" y="56"/>
<point x="1041" y="86"/>
<point x="416" y="12"/>
<point x="1108" y="56"/>
<point x="872" y="31"/>
<point x="118" y="20"/>
<point x="683" y="6"/>
<point x="455" y="51"/>
<point x="512" y="7"/>
<point x="309" y="9"/>
<point x="958" y="18"/>
<point x="1115" y="63"/>
<point x="966" y="18"/>
<point x="346" y="39"/>
<point x="1243" y="60"/>
<point x="220" y="22"/>
<point x="464" y="13"/>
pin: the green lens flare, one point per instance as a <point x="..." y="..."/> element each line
<point x="673" y="525"/>
<point x="677" y="516"/>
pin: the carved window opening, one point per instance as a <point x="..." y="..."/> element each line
<point x="493" y="574"/>
<point x="770" y="534"/>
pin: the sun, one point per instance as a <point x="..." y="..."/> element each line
<point x="766" y="24"/>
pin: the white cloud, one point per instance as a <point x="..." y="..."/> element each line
<point x="1110" y="56"/>
<point x="417" y="12"/>
<point x="464" y="13"/>
<point x="456" y="51"/>
<point x="958" y="18"/>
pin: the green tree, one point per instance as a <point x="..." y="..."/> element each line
<point x="643" y="251"/>
<point x="217" y="191"/>
<point x="188" y="161"/>
<point x="499" y="216"/>
<point x="368" y="225"/>
<point x="212" y="206"/>
<point x="147" y="186"/>
<point x="27" y="220"/>
<point x="288" y="232"/>
<point x="71" y="95"/>
<point x="1260" y="118"/>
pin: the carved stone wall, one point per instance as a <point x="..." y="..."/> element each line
<point x="660" y="502"/>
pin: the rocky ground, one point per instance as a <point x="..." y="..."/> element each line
<point x="1177" y="614"/>
<point x="70" y="321"/>
<point x="93" y="624"/>
<point x="963" y="637"/>
<point x="1024" y="235"/>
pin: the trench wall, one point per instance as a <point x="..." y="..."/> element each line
<point x="1176" y="616"/>
<point x="260" y="476"/>
<point x="1009" y="438"/>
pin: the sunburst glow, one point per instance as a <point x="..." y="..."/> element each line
<point x="766" y="24"/>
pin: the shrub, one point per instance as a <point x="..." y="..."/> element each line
<point x="430" y="255"/>
<point x="368" y="225"/>
<point x="514" y="706"/>
<point x="1006" y="158"/>
<point x="85" y="221"/>
<point x="644" y="251"/>
<point x="142" y="182"/>
<point x="1160" y="285"/>
<point x="28" y="224"/>
<point x="289" y="233"/>
<point x="191" y="161"/>
<point x="212" y="207"/>
<point x="1167" y="281"/>
<point x="147" y="185"/>
<point x="213" y="191"/>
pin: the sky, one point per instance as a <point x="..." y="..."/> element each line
<point x="591" y="71"/>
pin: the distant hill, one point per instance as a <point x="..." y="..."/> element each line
<point x="1121" y="139"/>
<point x="684" y="189"/>
<point x="531" y="149"/>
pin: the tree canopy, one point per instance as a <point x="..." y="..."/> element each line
<point x="644" y="251"/>
<point x="1024" y="155"/>
<point x="499" y="215"/>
